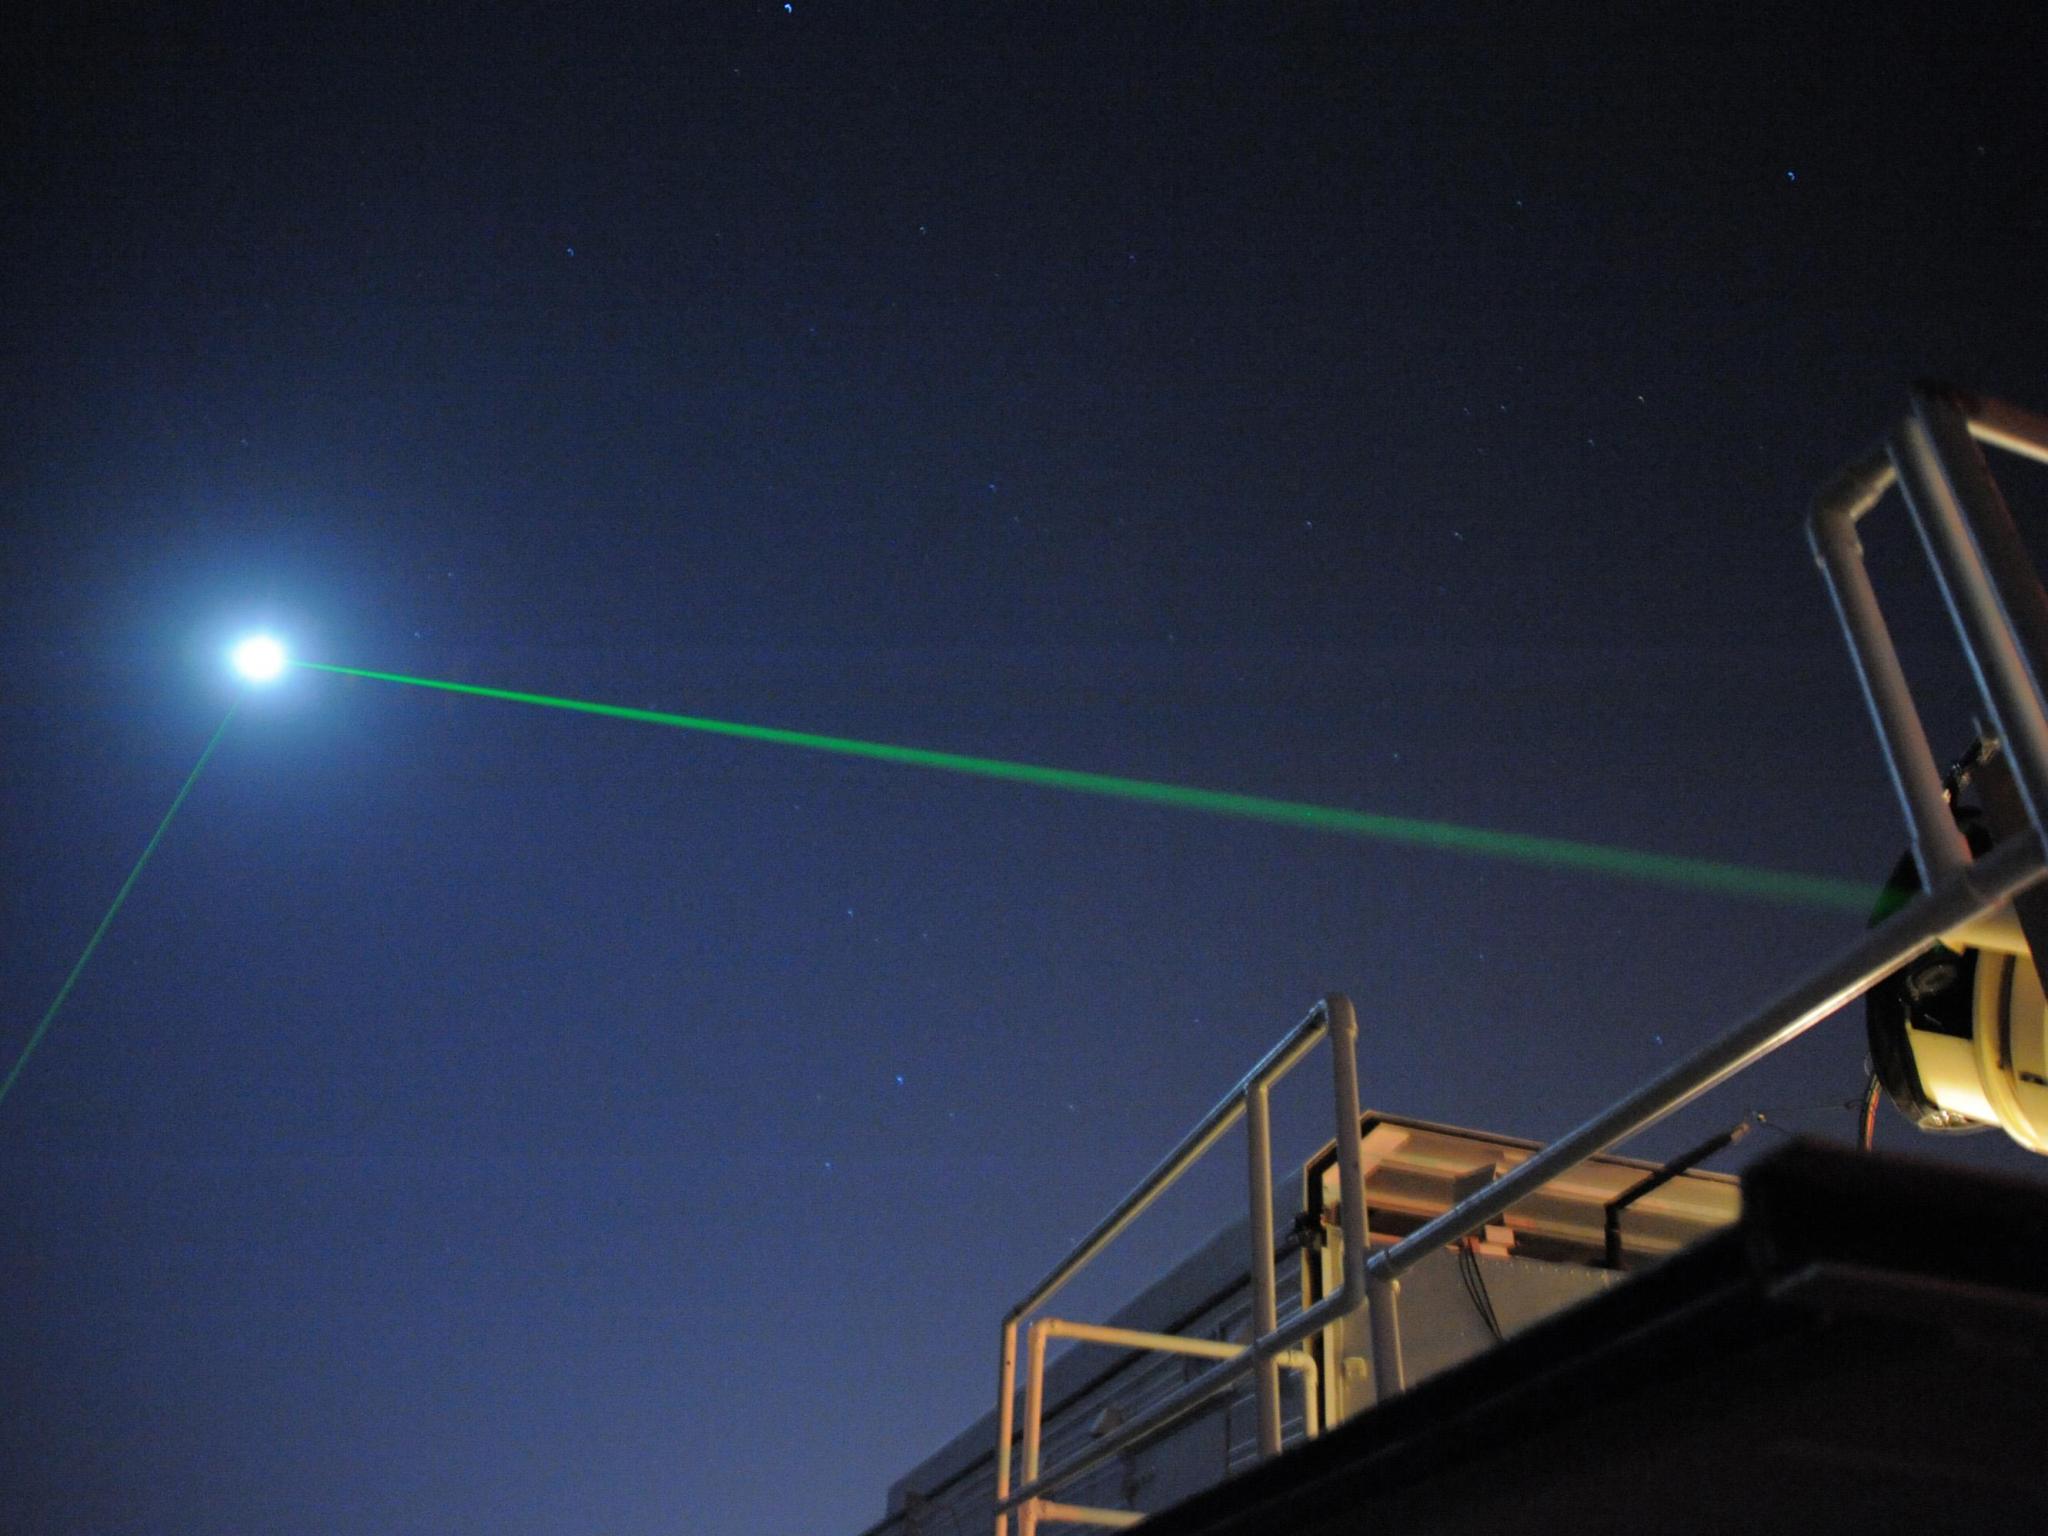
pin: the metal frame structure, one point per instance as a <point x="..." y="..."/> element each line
<point x="1271" y="1345"/>
<point x="1041" y="1330"/>
<point x="2000" y="613"/>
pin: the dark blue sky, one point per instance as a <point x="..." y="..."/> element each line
<point x="483" y="1118"/>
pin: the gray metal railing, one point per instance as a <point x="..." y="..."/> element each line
<point x="1333" y="1018"/>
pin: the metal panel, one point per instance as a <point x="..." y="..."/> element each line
<point x="1441" y="1325"/>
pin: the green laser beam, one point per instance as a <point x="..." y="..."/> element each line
<point x="1521" y="847"/>
<point x="120" y="896"/>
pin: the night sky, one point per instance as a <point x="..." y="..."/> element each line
<point x="484" y="1118"/>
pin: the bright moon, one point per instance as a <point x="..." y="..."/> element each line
<point x="258" y="658"/>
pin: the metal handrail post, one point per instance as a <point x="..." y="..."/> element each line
<point x="1006" y="1424"/>
<point x="1383" y="1318"/>
<point x="1034" y="1417"/>
<point x="1972" y="891"/>
<point x="1938" y="848"/>
<point x="1381" y="1295"/>
<point x="1034" y="1396"/>
<point x="1304" y="1363"/>
<point x="1352" y="1216"/>
<point x="1992" y="592"/>
<point x="1265" y="1303"/>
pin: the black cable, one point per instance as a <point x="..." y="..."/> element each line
<point x="1475" y="1287"/>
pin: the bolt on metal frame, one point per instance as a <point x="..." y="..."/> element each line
<point x="1995" y="598"/>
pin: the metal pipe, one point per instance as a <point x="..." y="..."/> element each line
<point x="1088" y="1514"/>
<point x="1288" y="1054"/>
<point x="1857" y="486"/>
<point x="1265" y="1304"/>
<point x="1350" y="1150"/>
<point x="2008" y="868"/>
<point x="1311" y="1392"/>
<point x="1291" y="1048"/>
<point x="1034" y="1415"/>
<point x="1138" y="1338"/>
<point x="2009" y="427"/>
<point x="2013" y="576"/>
<point x="1006" y="1424"/>
<point x="1993" y="593"/>
<point x="1354" y="1218"/>
<point x="1383" y="1318"/>
<point x="1938" y="848"/>
<point x="1034" y="1396"/>
<point x="1299" y="1361"/>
